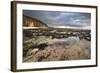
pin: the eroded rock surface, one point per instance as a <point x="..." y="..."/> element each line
<point x="57" y="50"/>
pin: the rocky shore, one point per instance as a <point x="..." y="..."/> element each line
<point x="43" y="48"/>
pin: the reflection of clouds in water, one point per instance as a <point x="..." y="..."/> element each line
<point x="72" y="40"/>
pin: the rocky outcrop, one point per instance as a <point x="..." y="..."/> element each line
<point x="56" y="45"/>
<point x="57" y="51"/>
<point x="58" y="33"/>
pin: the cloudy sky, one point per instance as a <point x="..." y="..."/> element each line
<point x="61" y="18"/>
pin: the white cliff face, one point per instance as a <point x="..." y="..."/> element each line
<point x="32" y="22"/>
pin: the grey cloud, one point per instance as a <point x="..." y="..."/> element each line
<point x="61" y="18"/>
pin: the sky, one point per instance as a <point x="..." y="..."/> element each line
<point x="61" y="18"/>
